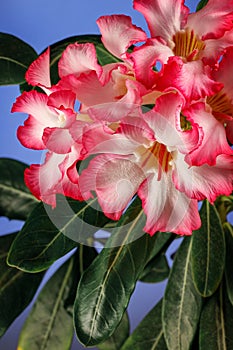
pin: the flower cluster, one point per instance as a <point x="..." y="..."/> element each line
<point x="156" y="122"/>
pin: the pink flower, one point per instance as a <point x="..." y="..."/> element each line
<point x="221" y="103"/>
<point x="195" y="39"/>
<point x="52" y="125"/>
<point x="147" y="156"/>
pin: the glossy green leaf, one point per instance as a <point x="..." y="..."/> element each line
<point x="216" y="323"/>
<point x="156" y="271"/>
<point x="15" y="57"/>
<point x="16" y="287"/>
<point x="201" y="4"/>
<point x="149" y="333"/>
<point x="118" y="337"/>
<point x="56" y="50"/>
<point x="49" y="326"/>
<point x="228" y="230"/>
<point x="182" y="303"/>
<point x="208" y="251"/>
<point x="16" y="201"/>
<point x="48" y="233"/>
<point x="106" y="286"/>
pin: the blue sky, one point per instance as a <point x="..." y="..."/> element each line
<point x="41" y="23"/>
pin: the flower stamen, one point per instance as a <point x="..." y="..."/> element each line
<point x="220" y="103"/>
<point x="187" y="45"/>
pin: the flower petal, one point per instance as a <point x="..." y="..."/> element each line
<point x="88" y="89"/>
<point x="100" y="139"/>
<point x="214" y="48"/>
<point x="166" y="208"/>
<point x="115" y="180"/>
<point x="38" y="72"/>
<point x="165" y="120"/>
<point x="120" y="108"/>
<point x="145" y="57"/>
<point x="164" y="17"/>
<point x="57" y="140"/>
<point x="41" y="179"/>
<point x="213" y="20"/>
<point x="201" y="182"/>
<point x="30" y="134"/>
<point x="77" y="59"/>
<point x="62" y="99"/>
<point x="118" y="33"/>
<point x="192" y="79"/>
<point x="225" y="71"/>
<point x="214" y="140"/>
<point x="35" y="104"/>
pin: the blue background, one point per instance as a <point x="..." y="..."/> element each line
<point x="41" y="23"/>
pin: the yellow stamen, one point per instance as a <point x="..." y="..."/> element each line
<point x="188" y="45"/>
<point x="220" y="103"/>
<point x="157" y="156"/>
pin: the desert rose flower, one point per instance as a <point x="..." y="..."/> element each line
<point x="147" y="156"/>
<point x="52" y="125"/>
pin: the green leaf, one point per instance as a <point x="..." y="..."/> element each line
<point x="56" y="50"/>
<point x="156" y="271"/>
<point x="201" y="4"/>
<point x="149" y="333"/>
<point x="229" y="264"/>
<point x="16" y="201"/>
<point x="106" y="286"/>
<point x="48" y="233"/>
<point x="16" y="287"/>
<point x="118" y="337"/>
<point x="216" y="323"/>
<point x="49" y="326"/>
<point x="15" y="57"/>
<point x="182" y="303"/>
<point x="208" y="251"/>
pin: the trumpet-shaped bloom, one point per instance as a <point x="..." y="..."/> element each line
<point x="52" y="125"/>
<point x="147" y="155"/>
<point x="197" y="38"/>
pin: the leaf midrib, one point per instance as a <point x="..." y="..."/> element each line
<point x="99" y="299"/>
<point x="56" y="306"/>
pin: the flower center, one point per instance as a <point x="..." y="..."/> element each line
<point x="156" y="156"/>
<point x="220" y="104"/>
<point x="187" y="45"/>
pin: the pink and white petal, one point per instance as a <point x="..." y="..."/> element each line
<point x="137" y="129"/>
<point x="164" y="120"/>
<point x="62" y="98"/>
<point x="225" y="72"/>
<point x="88" y="89"/>
<point x="30" y="134"/>
<point x="35" y="104"/>
<point x="166" y="208"/>
<point x="164" y="17"/>
<point x="201" y="182"/>
<point x="115" y="179"/>
<point x="192" y="79"/>
<point x="57" y="140"/>
<point x="38" y="72"/>
<point x="120" y="107"/>
<point x="77" y="59"/>
<point x="68" y="187"/>
<point x="214" y="48"/>
<point x="118" y="33"/>
<point x="214" y="140"/>
<point x="145" y="57"/>
<point x="213" y="20"/>
<point x="42" y="179"/>
<point x="98" y="138"/>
